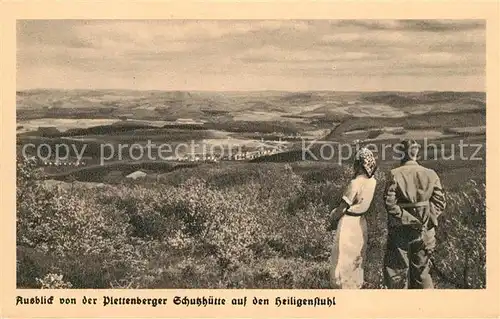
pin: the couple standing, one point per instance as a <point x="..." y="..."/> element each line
<point x="413" y="199"/>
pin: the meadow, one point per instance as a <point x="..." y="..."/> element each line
<point x="250" y="225"/>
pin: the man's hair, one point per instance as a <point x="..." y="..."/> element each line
<point x="410" y="148"/>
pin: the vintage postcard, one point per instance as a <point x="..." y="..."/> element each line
<point x="272" y="159"/>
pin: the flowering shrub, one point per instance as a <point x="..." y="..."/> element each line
<point x="265" y="228"/>
<point x="53" y="281"/>
<point x="461" y="255"/>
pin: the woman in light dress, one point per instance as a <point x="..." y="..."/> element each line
<point x="349" y="248"/>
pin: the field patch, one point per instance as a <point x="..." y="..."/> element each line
<point x="468" y="130"/>
<point x="438" y="121"/>
<point x="61" y="124"/>
<point x="369" y="110"/>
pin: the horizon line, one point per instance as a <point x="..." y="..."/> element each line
<point x="241" y="91"/>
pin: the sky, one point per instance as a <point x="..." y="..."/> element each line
<point x="242" y="55"/>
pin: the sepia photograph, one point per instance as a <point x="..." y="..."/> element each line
<point x="251" y="154"/>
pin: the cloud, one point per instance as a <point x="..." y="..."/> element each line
<point x="443" y="25"/>
<point x="172" y="53"/>
<point x="273" y="54"/>
<point x="471" y="41"/>
<point x="414" y="25"/>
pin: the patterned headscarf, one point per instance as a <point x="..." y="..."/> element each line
<point x="364" y="157"/>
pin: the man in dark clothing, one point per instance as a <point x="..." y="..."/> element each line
<point x="414" y="199"/>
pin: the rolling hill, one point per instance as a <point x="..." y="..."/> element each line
<point x="168" y="105"/>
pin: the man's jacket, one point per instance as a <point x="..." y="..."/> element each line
<point x="414" y="196"/>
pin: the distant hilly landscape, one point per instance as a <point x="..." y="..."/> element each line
<point x="242" y="106"/>
<point x="248" y="120"/>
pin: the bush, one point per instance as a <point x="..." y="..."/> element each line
<point x="461" y="256"/>
<point x="266" y="229"/>
<point x="53" y="281"/>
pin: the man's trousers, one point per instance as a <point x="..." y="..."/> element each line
<point x="407" y="261"/>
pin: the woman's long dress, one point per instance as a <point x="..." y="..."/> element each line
<point x="351" y="237"/>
